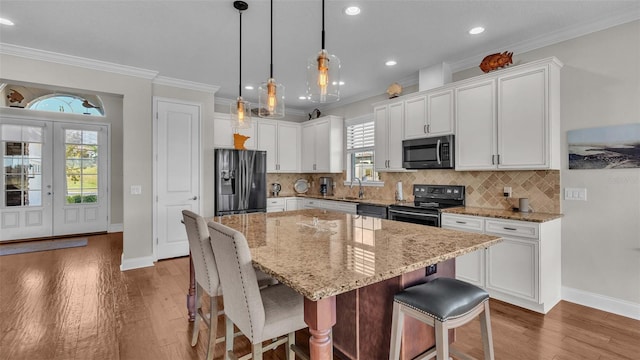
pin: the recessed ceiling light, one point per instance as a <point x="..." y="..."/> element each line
<point x="249" y="87"/>
<point x="391" y="63"/>
<point x="476" y="30"/>
<point x="302" y="98"/>
<point x="4" y="21"/>
<point x="352" y="10"/>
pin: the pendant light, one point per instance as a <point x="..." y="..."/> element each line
<point x="323" y="74"/>
<point x="270" y="93"/>
<point x="240" y="110"/>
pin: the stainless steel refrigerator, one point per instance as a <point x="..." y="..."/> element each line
<point x="241" y="181"/>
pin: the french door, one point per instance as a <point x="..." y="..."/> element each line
<point x="54" y="178"/>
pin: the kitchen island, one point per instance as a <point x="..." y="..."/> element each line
<point x="323" y="254"/>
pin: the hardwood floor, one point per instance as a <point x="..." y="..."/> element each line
<point x="77" y="304"/>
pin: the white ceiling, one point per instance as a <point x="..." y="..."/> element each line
<point x="198" y="40"/>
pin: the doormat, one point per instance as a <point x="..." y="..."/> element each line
<point x="42" y="245"/>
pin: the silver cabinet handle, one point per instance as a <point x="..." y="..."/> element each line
<point x="194" y="198"/>
<point x="461" y="222"/>
<point x="508" y="228"/>
<point x="424" y="129"/>
<point x="428" y="128"/>
<point x="498" y="159"/>
<point x="493" y="159"/>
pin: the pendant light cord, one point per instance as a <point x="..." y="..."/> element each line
<point x="322" y="25"/>
<point x="240" y="58"/>
<point x="271" y="63"/>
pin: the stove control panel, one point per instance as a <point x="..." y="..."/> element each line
<point x="439" y="192"/>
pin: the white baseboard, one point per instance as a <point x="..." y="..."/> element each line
<point x="602" y="302"/>
<point x="136" y="263"/>
<point x="115" y="228"/>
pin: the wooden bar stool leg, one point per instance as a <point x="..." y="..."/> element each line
<point x="196" y="321"/>
<point x="442" y="341"/>
<point x="228" y="337"/>
<point x="213" y="326"/>
<point x="487" y="338"/>
<point x="397" y="322"/>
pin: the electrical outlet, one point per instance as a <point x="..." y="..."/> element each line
<point x="432" y="269"/>
<point x="136" y="189"/>
<point x="507" y="191"/>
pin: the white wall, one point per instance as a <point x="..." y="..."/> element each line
<point x="600" y="86"/>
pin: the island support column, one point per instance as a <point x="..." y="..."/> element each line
<point x="320" y="316"/>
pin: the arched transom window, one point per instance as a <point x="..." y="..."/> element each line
<point x="67" y="103"/>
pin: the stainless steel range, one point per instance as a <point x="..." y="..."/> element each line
<point x="429" y="200"/>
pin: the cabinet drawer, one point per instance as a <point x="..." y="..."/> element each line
<point x="275" y="202"/>
<point x="467" y="223"/>
<point x="512" y="228"/>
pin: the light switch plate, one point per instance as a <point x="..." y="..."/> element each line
<point x="575" y="194"/>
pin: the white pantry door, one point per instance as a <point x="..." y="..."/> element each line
<point x="177" y="174"/>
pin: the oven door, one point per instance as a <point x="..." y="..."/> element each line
<point x="416" y="217"/>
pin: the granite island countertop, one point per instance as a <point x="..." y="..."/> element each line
<point x="322" y="253"/>
<point x="503" y="214"/>
<point x="365" y="200"/>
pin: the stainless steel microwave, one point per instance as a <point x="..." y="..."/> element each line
<point x="429" y="153"/>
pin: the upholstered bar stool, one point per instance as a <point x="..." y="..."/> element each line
<point x="444" y="304"/>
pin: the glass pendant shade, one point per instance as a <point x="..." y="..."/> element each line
<point x="271" y="99"/>
<point x="241" y="114"/>
<point x="323" y="78"/>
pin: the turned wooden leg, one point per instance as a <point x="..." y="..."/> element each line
<point x="191" y="295"/>
<point x="320" y="316"/>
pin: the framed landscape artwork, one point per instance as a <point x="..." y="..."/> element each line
<point x="610" y="147"/>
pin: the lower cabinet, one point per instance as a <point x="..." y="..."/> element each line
<point x="293" y="203"/>
<point x="334" y="205"/>
<point x="284" y="204"/>
<point x="524" y="269"/>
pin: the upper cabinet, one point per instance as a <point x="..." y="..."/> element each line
<point x="223" y="132"/>
<point x="429" y="114"/>
<point x="388" y="136"/>
<point x="322" y="147"/>
<point x="510" y="121"/>
<point x="281" y="141"/>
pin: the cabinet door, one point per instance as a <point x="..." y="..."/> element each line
<point x="223" y="133"/>
<point x="308" y="148"/>
<point x="267" y="141"/>
<point x="475" y="126"/>
<point x="323" y="146"/>
<point x="470" y="268"/>
<point x="288" y="147"/>
<point x="293" y="204"/>
<point x="522" y="120"/>
<point x="395" y="136"/>
<point x="512" y="268"/>
<point x="415" y="118"/>
<point x="440" y="113"/>
<point x="380" y="118"/>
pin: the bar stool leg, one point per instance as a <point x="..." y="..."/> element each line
<point x="487" y="338"/>
<point x="442" y="341"/>
<point x="397" y="322"/>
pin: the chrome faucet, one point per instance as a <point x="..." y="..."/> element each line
<point x="360" y="191"/>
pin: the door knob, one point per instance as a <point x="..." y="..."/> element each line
<point x="194" y="198"/>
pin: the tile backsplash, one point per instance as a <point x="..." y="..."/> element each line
<point x="483" y="188"/>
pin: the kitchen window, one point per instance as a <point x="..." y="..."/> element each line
<point x="360" y="152"/>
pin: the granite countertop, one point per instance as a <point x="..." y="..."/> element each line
<point x="340" y="252"/>
<point x="503" y="214"/>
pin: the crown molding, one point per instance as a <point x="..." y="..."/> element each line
<point x="43" y="55"/>
<point x="185" y="84"/>
<point x="551" y="39"/>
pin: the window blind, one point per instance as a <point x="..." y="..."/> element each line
<point x="361" y="136"/>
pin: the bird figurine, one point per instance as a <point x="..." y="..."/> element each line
<point x="15" y="97"/>
<point x="89" y="105"/>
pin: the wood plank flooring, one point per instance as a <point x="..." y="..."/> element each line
<point x="77" y="304"/>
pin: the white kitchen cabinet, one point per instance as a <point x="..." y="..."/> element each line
<point x="524" y="269"/>
<point x="388" y="136"/>
<point x="275" y="204"/>
<point x="281" y="141"/>
<point x="510" y="120"/>
<point x="322" y="145"/>
<point x="333" y="205"/>
<point x="293" y="203"/>
<point x="429" y="114"/>
<point x="223" y="132"/>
